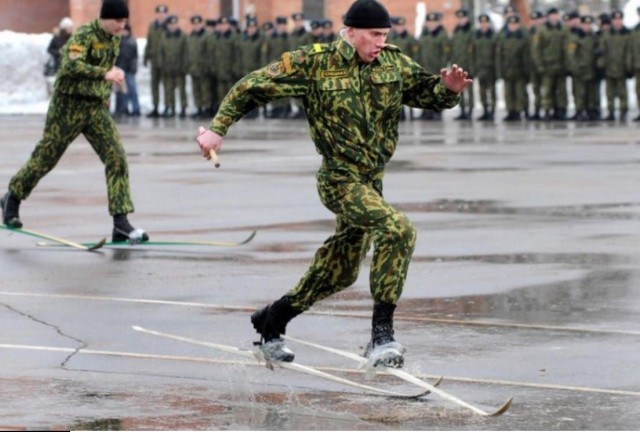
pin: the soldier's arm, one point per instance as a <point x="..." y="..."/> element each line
<point x="421" y="89"/>
<point x="282" y="78"/>
<point x="74" y="62"/>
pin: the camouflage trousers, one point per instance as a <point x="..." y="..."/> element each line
<point x="363" y="217"/>
<point x="67" y="118"/>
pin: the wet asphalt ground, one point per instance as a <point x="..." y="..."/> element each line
<point x="525" y="282"/>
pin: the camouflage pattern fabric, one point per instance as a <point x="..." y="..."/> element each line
<point x="353" y="111"/>
<point x="79" y="105"/>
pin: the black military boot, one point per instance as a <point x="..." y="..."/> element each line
<point x="271" y="322"/>
<point x="636" y="119"/>
<point x="623" y="115"/>
<point x="536" y="115"/>
<point x="154" y="113"/>
<point x="485" y="114"/>
<point x="548" y="115"/>
<point x="197" y="114"/>
<point x="382" y="349"/>
<point x="611" y="116"/>
<point x="11" y="210"/>
<point x="183" y="113"/>
<point x="124" y="231"/>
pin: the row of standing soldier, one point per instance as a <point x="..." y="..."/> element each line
<point x="172" y="55"/>
<point x="541" y="56"/>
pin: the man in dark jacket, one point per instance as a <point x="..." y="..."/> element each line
<point x="127" y="97"/>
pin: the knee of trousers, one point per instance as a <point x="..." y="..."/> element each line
<point x="404" y="233"/>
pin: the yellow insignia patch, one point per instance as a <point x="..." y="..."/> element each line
<point x="75" y="47"/>
<point x="275" y="69"/>
<point x="341" y="73"/>
<point x="99" y="46"/>
<point x="75" y="51"/>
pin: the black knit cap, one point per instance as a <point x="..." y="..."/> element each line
<point x="367" y="14"/>
<point x="114" y="9"/>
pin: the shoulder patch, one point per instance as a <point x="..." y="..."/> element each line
<point x="316" y="48"/>
<point x="391" y="47"/>
<point x="75" y="51"/>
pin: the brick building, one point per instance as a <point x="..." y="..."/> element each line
<point x="39" y="16"/>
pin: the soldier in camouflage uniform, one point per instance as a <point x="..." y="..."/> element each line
<point x="549" y="55"/>
<point x="175" y="62"/>
<point x="433" y="47"/>
<point x="537" y="19"/>
<point x="198" y="64"/>
<point x="582" y="58"/>
<point x="484" y="64"/>
<point x="514" y="64"/>
<point x="617" y="65"/>
<point x="152" y="55"/>
<point x="249" y="46"/>
<point x="461" y="53"/>
<point x="80" y="105"/>
<point x="352" y="90"/>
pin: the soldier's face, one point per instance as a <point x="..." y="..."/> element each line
<point x="368" y="42"/>
<point x="113" y="26"/>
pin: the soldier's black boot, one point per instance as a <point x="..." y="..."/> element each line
<point x="197" y="114"/>
<point x="271" y="322"/>
<point x="382" y="349"/>
<point x="154" y="113"/>
<point x="623" y="115"/>
<point x="11" y="210"/>
<point x="183" y="113"/>
<point x="611" y="116"/>
<point x="636" y="119"/>
<point x="548" y="116"/>
<point x="560" y="114"/>
<point x="124" y="231"/>
<point x="536" y="115"/>
<point x="485" y="114"/>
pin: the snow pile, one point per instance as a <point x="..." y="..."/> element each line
<point x="23" y="88"/>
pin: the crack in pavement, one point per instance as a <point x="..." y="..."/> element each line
<point x="82" y="343"/>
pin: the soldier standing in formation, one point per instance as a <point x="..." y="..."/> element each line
<point x="299" y="37"/>
<point x="400" y="37"/>
<point x="433" y="52"/>
<point x="616" y="59"/>
<point x="250" y="45"/>
<point x="276" y="45"/>
<point x="634" y="52"/>
<point x="152" y="55"/>
<point x="197" y="44"/>
<point x="484" y="65"/>
<point x="549" y="57"/>
<point x="514" y="64"/>
<point x="535" y="76"/>
<point x="211" y="70"/>
<point x="462" y="55"/>
<point x="581" y="59"/>
<point x="174" y="57"/>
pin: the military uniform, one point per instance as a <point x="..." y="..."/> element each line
<point x="549" y="54"/>
<point x="484" y="66"/>
<point x="197" y="69"/>
<point x="462" y="55"/>
<point x="514" y="65"/>
<point x="225" y="44"/>
<point x="175" y="62"/>
<point x="433" y="52"/>
<point x="212" y="66"/>
<point x="353" y="111"/>
<point x="299" y="37"/>
<point x="617" y="65"/>
<point x="80" y="105"/>
<point x="582" y="58"/>
<point x="249" y="46"/>
<point x="152" y="56"/>
<point x="535" y="76"/>
<point x="278" y="43"/>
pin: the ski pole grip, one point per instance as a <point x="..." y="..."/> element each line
<point x="214" y="158"/>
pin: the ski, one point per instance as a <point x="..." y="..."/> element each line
<point x="107" y="244"/>
<point x="363" y="362"/>
<point x="260" y="360"/>
<point x="59" y="241"/>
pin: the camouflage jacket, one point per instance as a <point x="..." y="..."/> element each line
<point x="86" y="58"/>
<point x="152" y="48"/>
<point x="434" y="49"/>
<point x="353" y="108"/>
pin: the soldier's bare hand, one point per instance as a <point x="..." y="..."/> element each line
<point x="455" y="78"/>
<point x="207" y="141"/>
<point x="115" y="75"/>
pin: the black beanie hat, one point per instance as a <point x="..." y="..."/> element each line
<point x="114" y="9"/>
<point x="367" y="14"/>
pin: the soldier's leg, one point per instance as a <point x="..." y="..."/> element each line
<point x="561" y="97"/>
<point x="637" y="77"/>
<point x="65" y="120"/>
<point x="170" y="83"/>
<point x="611" y="97"/>
<point x="623" y="94"/>
<point x="156" y="77"/>
<point x="105" y="141"/>
<point x="182" y="88"/>
<point x="547" y="95"/>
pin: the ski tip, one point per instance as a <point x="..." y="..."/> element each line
<point x="98" y="245"/>
<point x="502" y="409"/>
<point x="248" y="239"/>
